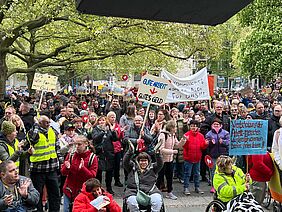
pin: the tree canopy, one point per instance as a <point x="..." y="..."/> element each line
<point x="260" y="50"/>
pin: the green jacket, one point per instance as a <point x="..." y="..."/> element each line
<point x="226" y="186"/>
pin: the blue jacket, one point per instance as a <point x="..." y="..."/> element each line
<point x="216" y="149"/>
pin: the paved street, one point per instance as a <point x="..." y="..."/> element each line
<point x="193" y="203"/>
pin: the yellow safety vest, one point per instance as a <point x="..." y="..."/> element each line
<point x="44" y="149"/>
<point x="12" y="149"/>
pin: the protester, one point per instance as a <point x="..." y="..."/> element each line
<point x="10" y="147"/>
<point x="277" y="146"/>
<point x="194" y="144"/>
<point x="103" y="136"/>
<point x="16" y="192"/>
<point x="218" y="139"/>
<point x="169" y="142"/>
<point x="273" y="124"/>
<point x="234" y="181"/>
<point x="146" y="172"/>
<point x="91" y="190"/>
<point x="9" y="112"/>
<point x="261" y="170"/>
<point x="78" y="167"/>
<point x="44" y="164"/>
<point x="111" y="117"/>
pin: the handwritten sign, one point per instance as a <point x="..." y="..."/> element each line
<point x="192" y="88"/>
<point x="44" y="82"/>
<point x="153" y="89"/>
<point x="248" y="137"/>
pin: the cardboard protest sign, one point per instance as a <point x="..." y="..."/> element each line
<point x="192" y="88"/>
<point x="153" y="89"/>
<point x="248" y="137"/>
<point x="44" y="82"/>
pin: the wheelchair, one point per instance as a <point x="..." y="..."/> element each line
<point x="216" y="205"/>
<point x="267" y="198"/>
<point x="141" y="208"/>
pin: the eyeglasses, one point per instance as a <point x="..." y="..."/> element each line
<point x="277" y="111"/>
<point x="234" y="110"/>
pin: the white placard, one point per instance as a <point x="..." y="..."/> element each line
<point x="192" y="88"/>
<point x="153" y="89"/>
<point x="44" y="82"/>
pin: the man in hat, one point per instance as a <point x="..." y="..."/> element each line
<point x="10" y="147"/>
<point x="225" y="119"/>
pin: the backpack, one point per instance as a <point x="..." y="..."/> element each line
<point x="91" y="159"/>
<point x="151" y="146"/>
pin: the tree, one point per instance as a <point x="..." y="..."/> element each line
<point x="45" y="35"/>
<point x="259" y="53"/>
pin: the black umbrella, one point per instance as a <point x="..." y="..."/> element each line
<point x="205" y="12"/>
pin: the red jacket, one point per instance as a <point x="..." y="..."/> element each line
<point x="75" y="176"/>
<point x="260" y="167"/>
<point x="82" y="202"/>
<point x="192" y="149"/>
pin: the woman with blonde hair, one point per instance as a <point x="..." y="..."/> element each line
<point x="21" y="136"/>
<point x="229" y="180"/>
<point x="17" y="121"/>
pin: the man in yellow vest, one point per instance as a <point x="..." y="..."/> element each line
<point x="10" y="147"/>
<point x="44" y="162"/>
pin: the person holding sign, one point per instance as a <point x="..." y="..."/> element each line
<point x="232" y="186"/>
<point x="94" y="198"/>
<point x="133" y="134"/>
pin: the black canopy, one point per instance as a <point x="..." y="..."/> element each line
<point x="205" y="12"/>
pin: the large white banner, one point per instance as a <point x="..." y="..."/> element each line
<point x="192" y="88"/>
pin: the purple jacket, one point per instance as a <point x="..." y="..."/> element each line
<point x="216" y="149"/>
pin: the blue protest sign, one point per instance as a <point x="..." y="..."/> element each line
<point x="248" y="137"/>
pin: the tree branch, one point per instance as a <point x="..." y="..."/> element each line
<point x="154" y="47"/>
<point x="29" y="25"/>
<point x="19" y="56"/>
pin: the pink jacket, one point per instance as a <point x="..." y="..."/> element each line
<point x="169" y="143"/>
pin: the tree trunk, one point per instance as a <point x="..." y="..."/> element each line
<point x="30" y="77"/>
<point x="3" y="75"/>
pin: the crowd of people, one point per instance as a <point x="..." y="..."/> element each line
<point x="62" y="149"/>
